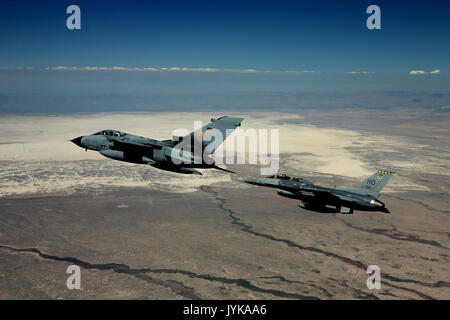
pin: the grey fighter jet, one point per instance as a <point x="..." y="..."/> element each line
<point x="362" y="196"/>
<point x="179" y="154"/>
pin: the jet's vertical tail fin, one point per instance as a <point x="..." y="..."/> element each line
<point x="214" y="133"/>
<point x="373" y="185"/>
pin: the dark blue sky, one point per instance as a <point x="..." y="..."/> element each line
<point x="327" y="36"/>
<point x="353" y="66"/>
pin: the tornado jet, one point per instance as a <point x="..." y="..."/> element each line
<point x="362" y="196"/>
<point x="179" y="154"/>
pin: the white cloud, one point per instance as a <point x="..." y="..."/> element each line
<point x="121" y="68"/>
<point x="200" y="69"/>
<point x="92" y="68"/>
<point x="60" y="68"/>
<point x="17" y="68"/>
<point x="185" y="69"/>
<point x="359" y="72"/>
<point x="415" y="72"/>
<point x="291" y="71"/>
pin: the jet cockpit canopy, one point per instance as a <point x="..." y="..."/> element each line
<point x="110" y="133"/>
<point x="284" y="177"/>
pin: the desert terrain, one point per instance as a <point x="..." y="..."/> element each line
<point x="141" y="233"/>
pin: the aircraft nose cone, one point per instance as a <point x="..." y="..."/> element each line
<point x="77" y="141"/>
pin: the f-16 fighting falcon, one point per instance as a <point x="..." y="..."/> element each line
<point x="362" y="196"/>
<point x="178" y="154"/>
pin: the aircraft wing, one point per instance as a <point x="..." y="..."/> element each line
<point x="135" y="146"/>
<point x="328" y="195"/>
<point x="317" y="192"/>
<point x="124" y="144"/>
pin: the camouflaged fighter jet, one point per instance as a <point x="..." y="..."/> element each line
<point x="165" y="154"/>
<point x="362" y="196"/>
